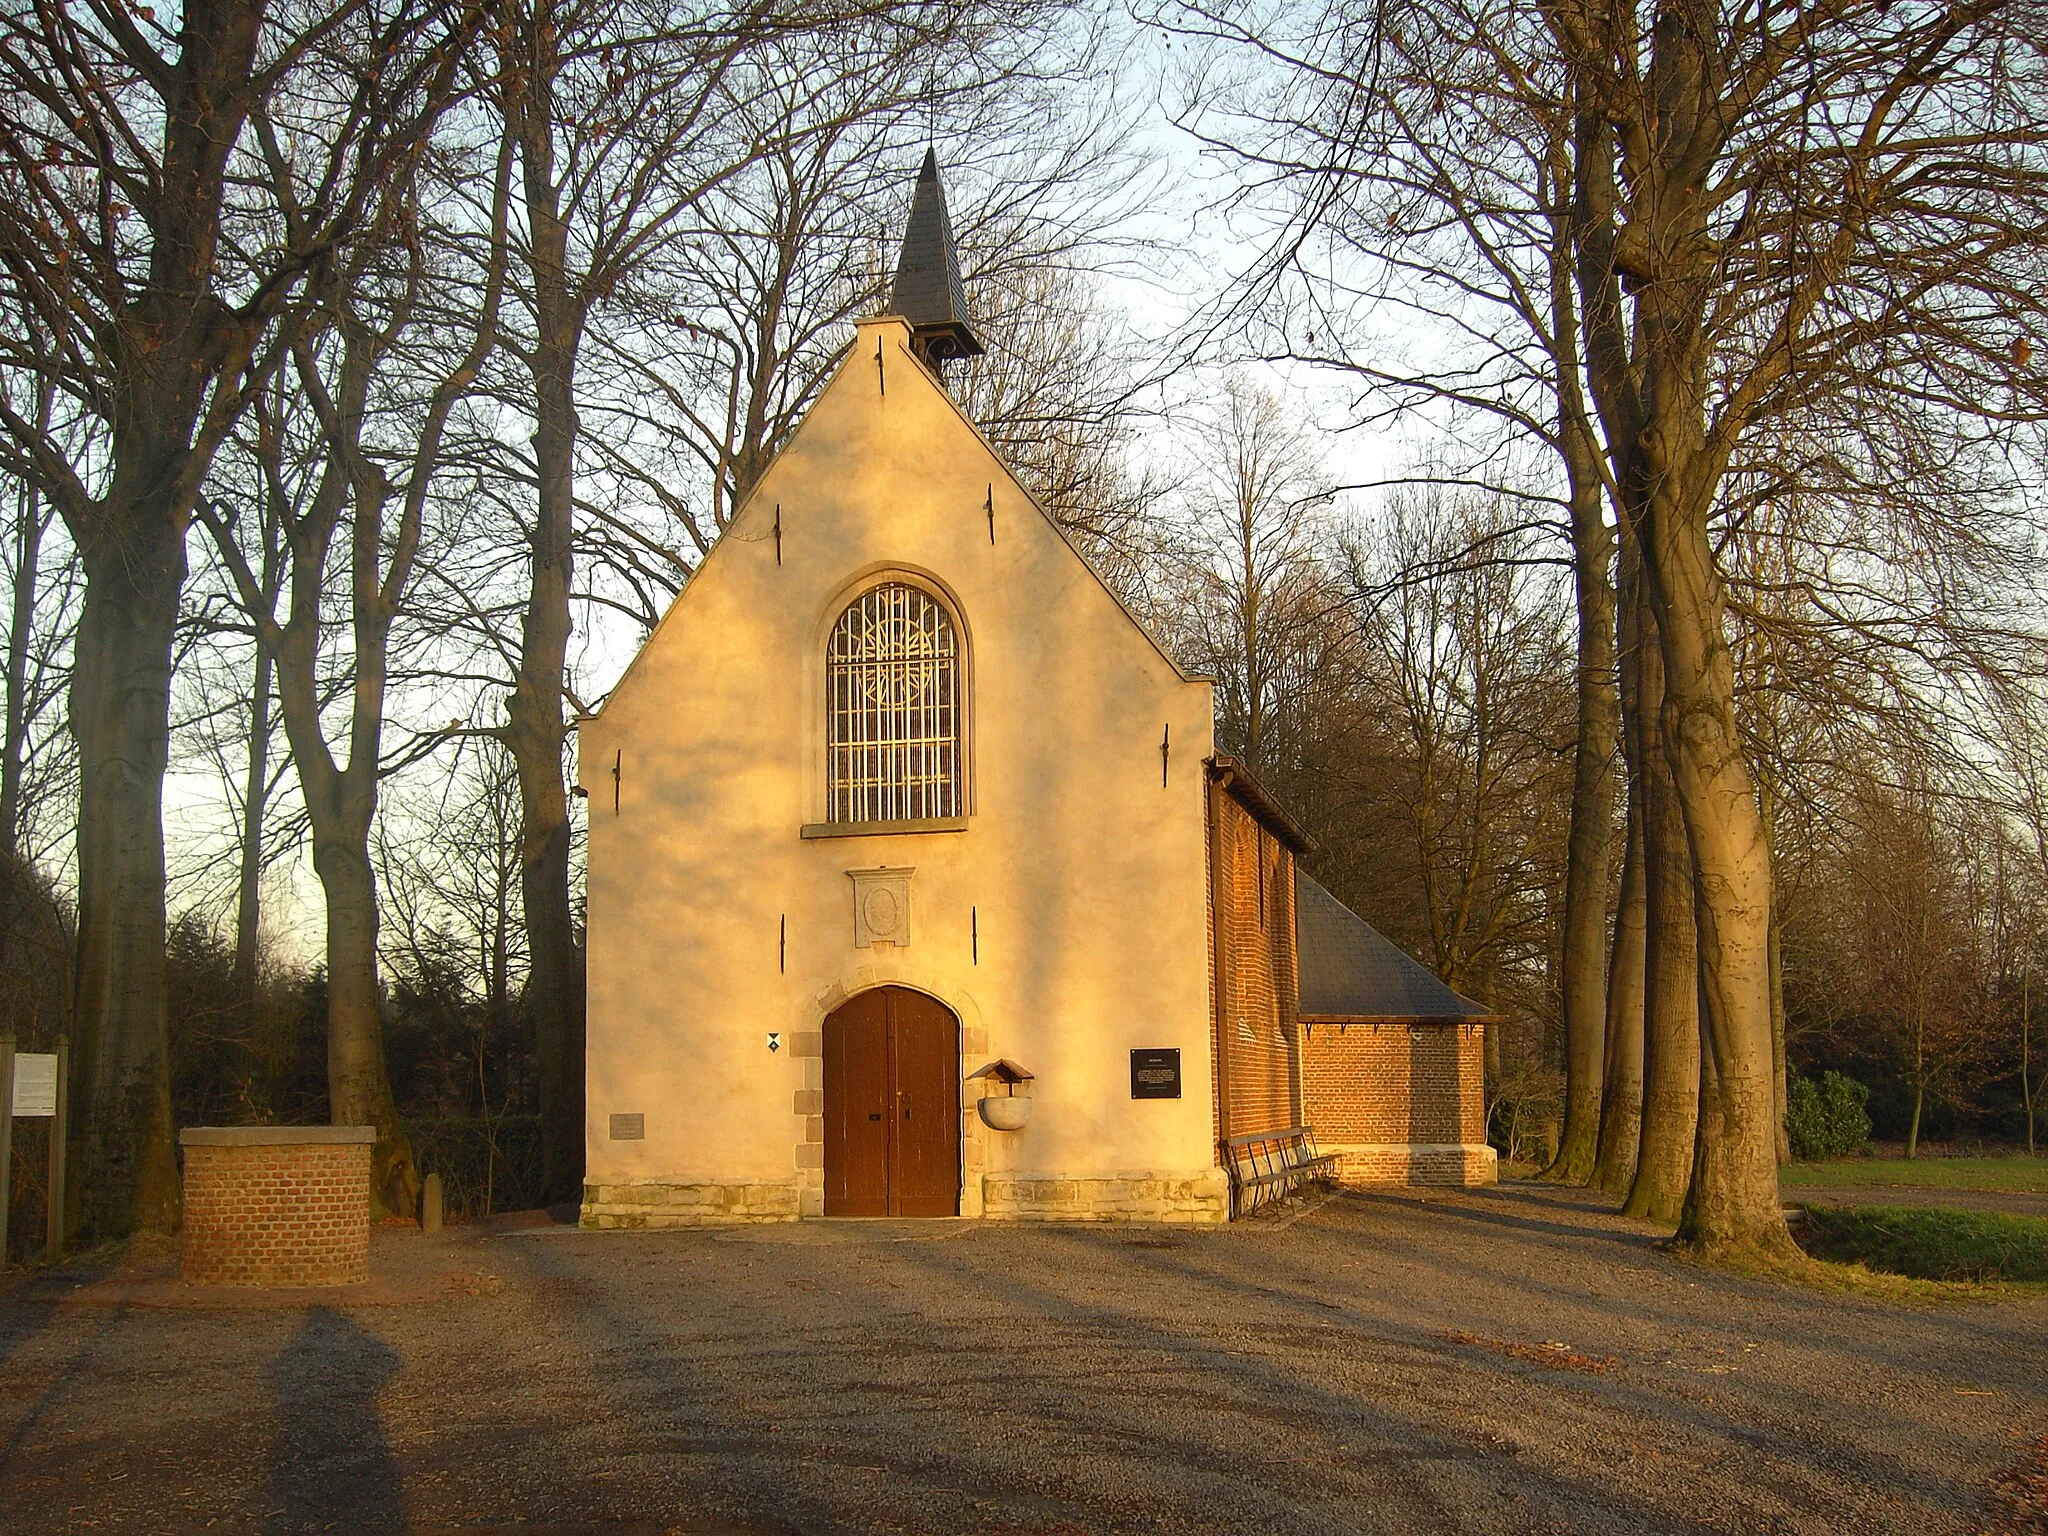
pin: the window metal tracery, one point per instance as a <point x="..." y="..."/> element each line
<point x="892" y="713"/>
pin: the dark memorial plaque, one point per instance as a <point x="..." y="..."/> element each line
<point x="1155" y="1074"/>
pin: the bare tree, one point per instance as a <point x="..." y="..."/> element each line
<point x="1806" y="221"/>
<point x="1439" y="202"/>
<point x="141" y="270"/>
<point x="1473" y="673"/>
<point x="1251" y="530"/>
<point x="392" y="301"/>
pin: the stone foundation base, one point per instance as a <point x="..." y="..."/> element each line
<point x="1198" y="1196"/>
<point x="613" y="1206"/>
<point x="1202" y="1195"/>
<point x="1416" y="1163"/>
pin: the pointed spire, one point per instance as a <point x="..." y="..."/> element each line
<point x="927" y="291"/>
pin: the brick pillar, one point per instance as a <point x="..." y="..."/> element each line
<point x="277" y="1205"/>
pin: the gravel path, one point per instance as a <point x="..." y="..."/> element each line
<point x="1515" y="1361"/>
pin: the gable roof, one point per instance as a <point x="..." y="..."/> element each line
<point x="1348" y="969"/>
<point x="738" y="529"/>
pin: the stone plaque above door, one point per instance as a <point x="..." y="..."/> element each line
<point x="881" y="905"/>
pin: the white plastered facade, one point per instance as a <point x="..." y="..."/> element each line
<point x="1065" y="926"/>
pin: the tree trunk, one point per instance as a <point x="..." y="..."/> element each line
<point x="536" y="730"/>
<point x="28" y="551"/>
<point x="1919" y="1092"/>
<point x="1671" y="1024"/>
<point x="358" y="1087"/>
<point x="1779" y="1071"/>
<point x="1733" y="1204"/>
<point x="1621" y="1108"/>
<point x="122" y="1166"/>
<point x="255" y="797"/>
<point x="1584" y="980"/>
<point x="2027" y="1055"/>
<point x="1621" y="1104"/>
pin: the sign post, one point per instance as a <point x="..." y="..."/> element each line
<point x="6" y="1135"/>
<point x="60" y="1127"/>
<point x="32" y="1086"/>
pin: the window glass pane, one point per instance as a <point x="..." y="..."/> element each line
<point x="892" y="702"/>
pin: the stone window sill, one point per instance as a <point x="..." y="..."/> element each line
<point x="884" y="828"/>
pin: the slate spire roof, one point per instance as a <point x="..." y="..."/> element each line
<point x="1349" y="970"/>
<point x="927" y="291"/>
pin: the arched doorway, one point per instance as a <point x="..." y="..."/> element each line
<point x="892" y="1106"/>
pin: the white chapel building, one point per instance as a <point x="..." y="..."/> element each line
<point x="917" y="888"/>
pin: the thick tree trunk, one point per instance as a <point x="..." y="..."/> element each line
<point x="536" y="729"/>
<point x="1671" y="1023"/>
<point x="535" y="733"/>
<point x="358" y="1087"/>
<point x="122" y="1166"/>
<point x="1584" y="979"/>
<point x="1733" y="1205"/>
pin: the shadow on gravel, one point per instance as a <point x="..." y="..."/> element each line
<point x="1519" y="1215"/>
<point x="334" y="1469"/>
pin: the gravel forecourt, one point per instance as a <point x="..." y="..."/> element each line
<point x="1517" y="1360"/>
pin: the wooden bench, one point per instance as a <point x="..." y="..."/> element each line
<point x="1270" y="1164"/>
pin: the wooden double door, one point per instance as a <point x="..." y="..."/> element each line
<point x="892" y="1106"/>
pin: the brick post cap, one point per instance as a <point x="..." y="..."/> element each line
<point x="275" y="1135"/>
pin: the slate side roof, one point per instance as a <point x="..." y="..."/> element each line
<point x="1349" y="970"/>
<point x="927" y="291"/>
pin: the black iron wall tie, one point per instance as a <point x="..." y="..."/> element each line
<point x="881" y="374"/>
<point x="778" y="533"/>
<point x="991" y="504"/>
<point x="618" y="762"/>
<point x="1165" y="745"/>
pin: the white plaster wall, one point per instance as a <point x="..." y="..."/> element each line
<point x="1087" y="874"/>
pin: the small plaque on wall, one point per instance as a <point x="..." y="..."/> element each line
<point x="629" y="1127"/>
<point x="1155" y="1074"/>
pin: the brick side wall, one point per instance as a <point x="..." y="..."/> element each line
<point x="1464" y="1166"/>
<point x="1396" y="1083"/>
<point x="1255" y="884"/>
<point x="277" y="1215"/>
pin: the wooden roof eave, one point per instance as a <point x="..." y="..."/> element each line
<point x="1243" y="785"/>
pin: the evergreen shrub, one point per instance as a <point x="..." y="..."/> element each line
<point x="1827" y="1119"/>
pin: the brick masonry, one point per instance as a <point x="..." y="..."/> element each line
<point x="1414" y="1163"/>
<point x="277" y="1206"/>
<point x="1400" y="1103"/>
<point x="1253" y="881"/>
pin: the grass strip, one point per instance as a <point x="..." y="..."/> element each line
<point x="1929" y="1243"/>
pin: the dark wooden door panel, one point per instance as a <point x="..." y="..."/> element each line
<point x="857" y="1108"/>
<point x="892" y="1106"/>
<point x="924" y="1179"/>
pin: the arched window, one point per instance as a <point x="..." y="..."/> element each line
<point x="892" y="709"/>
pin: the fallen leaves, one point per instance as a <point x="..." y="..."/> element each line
<point x="1550" y="1353"/>
<point x="2018" y="1499"/>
